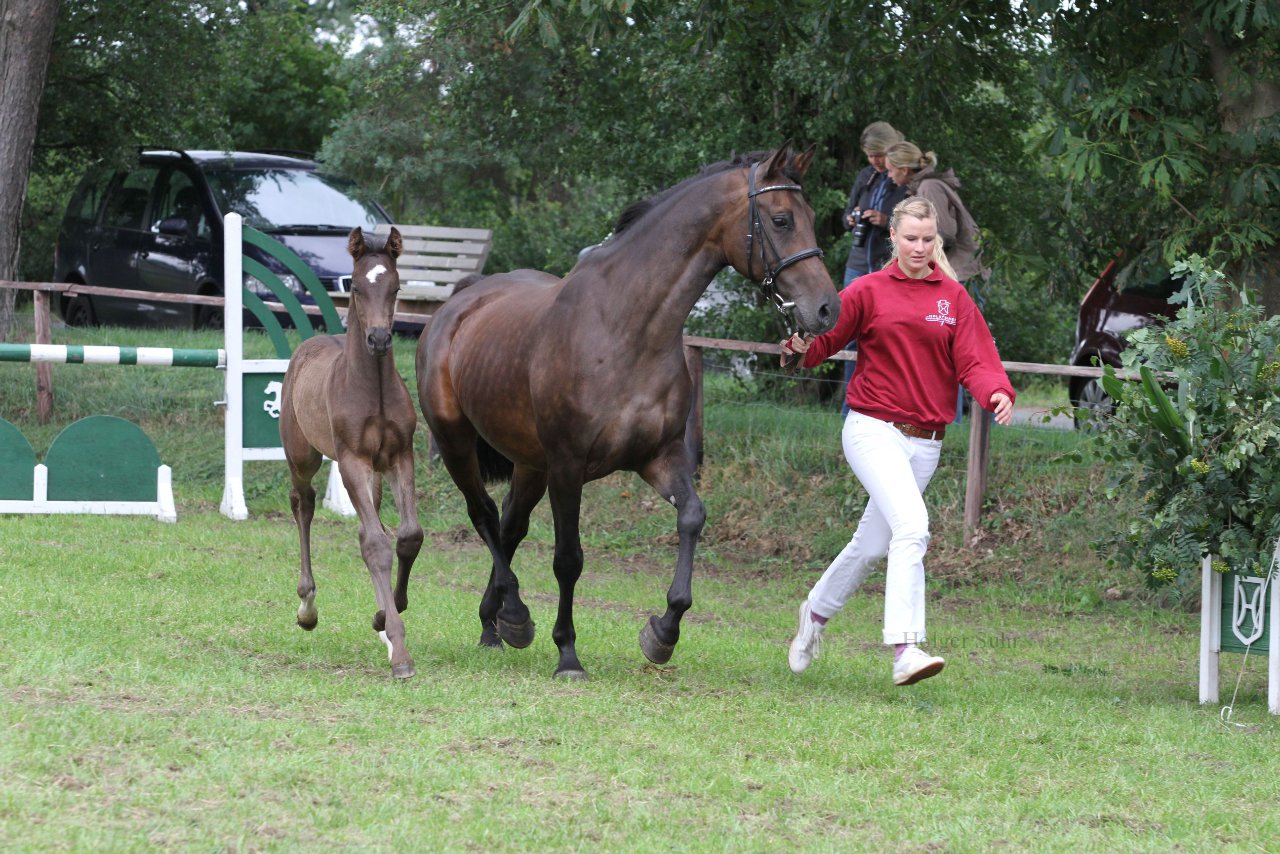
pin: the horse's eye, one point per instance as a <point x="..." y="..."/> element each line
<point x="781" y="220"/>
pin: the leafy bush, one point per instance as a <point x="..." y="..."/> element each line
<point x="1202" y="463"/>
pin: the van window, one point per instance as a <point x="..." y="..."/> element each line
<point x="178" y="196"/>
<point x="127" y="200"/>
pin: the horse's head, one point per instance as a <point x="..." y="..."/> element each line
<point x="781" y="251"/>
<point x="374" y="286"/>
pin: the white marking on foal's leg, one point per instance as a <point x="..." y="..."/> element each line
<point x="307" y="610"/>
<point x="387" y="641"/>
<point x="373" y="274"/>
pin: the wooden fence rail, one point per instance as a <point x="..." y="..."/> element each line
<point x="978" y="452"/>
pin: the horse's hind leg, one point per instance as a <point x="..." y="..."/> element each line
<point x="512" y="622"/>
<point x="671" y="474"/>
<point x="302" y="501"/>
<point x="527" y="488"/>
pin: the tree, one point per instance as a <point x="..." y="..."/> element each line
<point x="1166" y="125"/>
<point x="26" y="36"/>
<point x="522" y="109"/>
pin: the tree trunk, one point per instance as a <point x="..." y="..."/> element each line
<point x="26" y="38"/>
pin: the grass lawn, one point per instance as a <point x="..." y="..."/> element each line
<point x="155" y="692"/>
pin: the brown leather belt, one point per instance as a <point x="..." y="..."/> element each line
<point x="918" y="432"/>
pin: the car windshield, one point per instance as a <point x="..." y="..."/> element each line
<point x="282" y="199"/>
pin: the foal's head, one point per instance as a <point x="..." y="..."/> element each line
<point x="374" y="285"/>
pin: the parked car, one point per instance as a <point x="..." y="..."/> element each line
<point x="1106" y="315"/>
<point x="158" y="227"/>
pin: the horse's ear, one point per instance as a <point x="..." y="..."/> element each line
<point x="803" y="160"/>
<point x="355" y="243"/>
<point x="395" y="244"/>
<point x="778" y="162"/>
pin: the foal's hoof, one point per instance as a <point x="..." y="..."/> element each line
<point x="572" y="675"/>
<point x="380" y="621"/>
<point x="308" y="615"/>
<point x="403" y="671"/>
<point x="654" y="649"/>
<point x="518" y="636"/>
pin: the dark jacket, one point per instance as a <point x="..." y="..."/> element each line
<point x="869" y="184"/>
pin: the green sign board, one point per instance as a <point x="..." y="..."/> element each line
<point x="1245" y="620"/>
<point x="261" y="409"/>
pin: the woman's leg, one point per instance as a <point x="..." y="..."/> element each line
<point x="895" y="469"/>
<point x="884" y="455"/>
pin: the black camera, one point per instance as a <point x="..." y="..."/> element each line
<point x="861" y="228"/>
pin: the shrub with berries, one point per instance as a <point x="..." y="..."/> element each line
<point x="1197" y="436"/>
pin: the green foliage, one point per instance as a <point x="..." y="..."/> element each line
<point x="1201" y="461"/>
<point x="1164" y="125"/>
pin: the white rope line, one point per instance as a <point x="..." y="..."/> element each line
<point x="1226" y="712"/>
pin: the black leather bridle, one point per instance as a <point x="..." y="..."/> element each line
<point x="770" y="272"/>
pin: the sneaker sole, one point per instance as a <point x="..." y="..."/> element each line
<point x="923" y="673"/>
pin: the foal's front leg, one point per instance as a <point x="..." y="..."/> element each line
<point x="671" y="474"/>
<point x="409" y="533"/>
<point x="376" y="551"/>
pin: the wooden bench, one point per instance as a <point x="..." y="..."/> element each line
<point x="434" y="258"/>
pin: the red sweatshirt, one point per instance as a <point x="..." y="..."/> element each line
<point x="916" y="339"/>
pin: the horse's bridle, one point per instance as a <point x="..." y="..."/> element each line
<point x="770" y="273"/>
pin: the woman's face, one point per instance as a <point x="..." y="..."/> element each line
<point x="898" y="174"/>
<point x="875" y="158"/>
<point x="914" y="239"/>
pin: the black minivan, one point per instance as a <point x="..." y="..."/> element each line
<point x="158" y="227"/>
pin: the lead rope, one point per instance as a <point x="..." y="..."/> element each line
<point x="1225" y="713"/>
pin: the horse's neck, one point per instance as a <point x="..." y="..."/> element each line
<point x="664" y="267"/>
<point x="363" y="369"/>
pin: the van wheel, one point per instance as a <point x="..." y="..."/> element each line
<point x="1095" y="403"/>
<point x="79" y="312"/>
<point x="209" y="317"/>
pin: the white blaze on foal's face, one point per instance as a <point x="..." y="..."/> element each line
<point x="373" y="274"/>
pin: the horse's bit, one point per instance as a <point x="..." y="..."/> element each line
<point x="783" y="306"/>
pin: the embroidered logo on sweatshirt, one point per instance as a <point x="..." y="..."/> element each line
<point x="944" y="314"/>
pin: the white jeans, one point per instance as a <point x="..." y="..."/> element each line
<point x="894" y="469"/>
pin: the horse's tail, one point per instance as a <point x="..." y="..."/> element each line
<point x="494" y="467"/>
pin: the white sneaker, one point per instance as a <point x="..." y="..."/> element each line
<point x="915" y="664"/>
<point x="807" y="643"/>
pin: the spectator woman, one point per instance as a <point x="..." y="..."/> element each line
<point x="919" y="334"/>
<point x="917" y="174"/>
<point x="871" y="200"/>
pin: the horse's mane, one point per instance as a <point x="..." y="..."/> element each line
<point x="636" y="210"/>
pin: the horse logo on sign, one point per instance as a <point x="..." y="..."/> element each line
<point x="1248" y="609"/>
<point x="272" y="404"/>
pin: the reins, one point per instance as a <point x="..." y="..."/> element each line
<point x="783" y="306"/>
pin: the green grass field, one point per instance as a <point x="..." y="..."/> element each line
<point x="156" y="694"/>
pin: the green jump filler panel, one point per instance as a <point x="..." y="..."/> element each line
<point x="98" y="465"/>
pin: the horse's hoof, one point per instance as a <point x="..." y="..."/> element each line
<point x="572" y="675"/>
<point x="403" y="671"/>
<point x="489" y="637"/>
<point x="308" y="615"/>
<point x="518" y="636"/>
<point x="380" y="621"/>
<point x="654" y="649"/>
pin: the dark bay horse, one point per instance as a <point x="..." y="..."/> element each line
<point x="571" y="379"/>
<point x="343" y="399"/>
